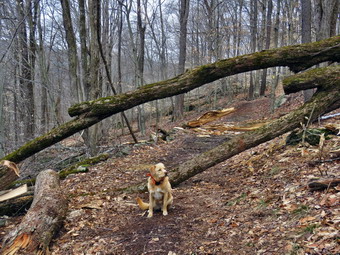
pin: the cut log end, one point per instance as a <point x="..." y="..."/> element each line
<point x="45" y="217"/>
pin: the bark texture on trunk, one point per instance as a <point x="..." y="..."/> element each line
<point x="296" y="57"/>
<point x="8" y="172"/>
<point x="42" y="221"/>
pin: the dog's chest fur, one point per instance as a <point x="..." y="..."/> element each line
<point x="158" y="193"/>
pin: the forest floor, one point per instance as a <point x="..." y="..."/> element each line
<point x="256" y="202"/>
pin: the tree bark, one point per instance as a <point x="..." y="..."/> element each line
<point x="253" y="43"/>
<point x="183" y="20"/>
<point x="323" y="184"/>
<point x="267" y="45"/>
<point x="326" y="99"/>
<point x="72" y="47"/>
<point x="306" y="34"/>
<point x="42" y="220"/>
<point x="298" y="57"/>
<point x="8" y="172"/>
<point x="18" y="205"/>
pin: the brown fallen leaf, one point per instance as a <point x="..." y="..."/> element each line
<point x="306" y="219"/>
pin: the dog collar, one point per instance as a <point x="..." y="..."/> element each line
<point x="154" y="181"/>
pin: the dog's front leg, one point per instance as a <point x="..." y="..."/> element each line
<point x="151" y="203"/>
<point x="165" y="203"/>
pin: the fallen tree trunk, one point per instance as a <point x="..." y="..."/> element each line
<point x="42" y="220"/>
<point x="79" y="167"/>
<point x="18" y="205"/>
<point x="323" y="184"/>
<point x="298" y="57"/>
<point x="315" y="78"/>
<point x="326" y="99"/>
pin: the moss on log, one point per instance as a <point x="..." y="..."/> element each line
<point x="314" y="78"/>
<point x="296" y="57"/>
<point x="87" y="162"/>
<point x="73" y="169"/>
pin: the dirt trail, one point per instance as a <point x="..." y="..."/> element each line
<point x="261" y="206"/>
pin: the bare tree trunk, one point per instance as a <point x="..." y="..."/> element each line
<point x="141" y="28"/>
<point x="44" y="69"/>
<point x="253" y="32"/>
<point x="42" y="221"/>
<point x="324" y="14"/>
<point x="72" y="47"/>
<point x="276" y="72"/>
<point x="84" y="52"/>
<point x="27" y="62"/>
<point x="94" y="89"/>
<point x="306" y="35"/>
<point x="267" y="45"/>
<point x="183" y="19"/>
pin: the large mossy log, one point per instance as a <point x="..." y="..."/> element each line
<point x="297" y="57"/>
<point x="315" y="78"/>
<point x="42" y="221"/>
<point x="326" y="99"/>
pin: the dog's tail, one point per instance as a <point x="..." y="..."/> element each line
<point x="142" y="205"/>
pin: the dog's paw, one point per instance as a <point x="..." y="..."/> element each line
<point x="150" y="215"/>
<point x="165" y="213"/>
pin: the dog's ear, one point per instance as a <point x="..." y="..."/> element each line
<point x="153" y="168"/>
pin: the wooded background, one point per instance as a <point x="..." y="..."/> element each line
<point x="56" y="53"/>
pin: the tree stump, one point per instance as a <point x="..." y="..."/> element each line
<point x="42" y="221"/>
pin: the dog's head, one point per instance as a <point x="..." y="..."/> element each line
<point x="158" y="171"/>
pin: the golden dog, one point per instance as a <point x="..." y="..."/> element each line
<point x="159" y="187"/>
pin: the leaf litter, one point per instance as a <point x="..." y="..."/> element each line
<point x="257" y="202"/>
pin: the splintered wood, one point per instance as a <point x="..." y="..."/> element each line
<point x="209" y="117"/>
<point x="9" y="172"/>
<point x="219" y="129"/>
<point x="42" y="220"/>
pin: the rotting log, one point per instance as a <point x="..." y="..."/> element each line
<point x="323" y="184"/>
<point x="42" y="221"/>
<point x="326" y="99"/>
<point x="297" y="58"/>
